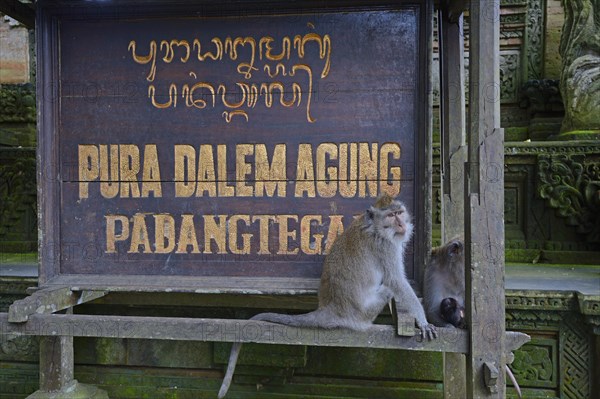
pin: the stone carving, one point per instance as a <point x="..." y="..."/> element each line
<point x="563" y="302"/>
<point x="572" y="187"/>
<point x="543" y="103"/>
<point x="576" y="358"/>
<point x="510" y="77"/>
<point x="513" y="2"/>
<point x="535" y="38"/>
<point x="541" y="96"/>
<point x="580" y="75"/>
<point x="533" y="365"/>
<point x="22" y="348"/>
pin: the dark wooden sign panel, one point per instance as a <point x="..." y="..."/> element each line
<point x="196" y="142"/>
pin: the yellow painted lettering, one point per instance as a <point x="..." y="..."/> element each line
<point x="285" y="234"/>
<point x="185" y="170"/>
<point x="164" y="233"/>
<point x="305" y="172"/>
<point x="88" y="167"/>
<point x="270" y="177"/>
<point x="233" y="235"/>
<point x="389" y="177"/>
<point x="187" y="235"/>
<point x="243" y="170"/>
<point x="326" y="176"/>
<point x="367" y="169"/>
<point x="129" y="162"/>
<point x="206" y="172"/>
<point x="139" y="235"/>
<point x="311" y="244"/>
<point x="216" y="232"/>
<point x="109" y="181"/>
<point x="151" y="175"/>
<point x="223" y="188"/>
<point x="111" y="235"/>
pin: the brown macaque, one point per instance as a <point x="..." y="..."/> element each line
<point x="363" y="271"/>
<point x="444" y="289"/>
<point x="444" y="285"/>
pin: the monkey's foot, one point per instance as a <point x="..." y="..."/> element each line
<point x="428" y="331"/>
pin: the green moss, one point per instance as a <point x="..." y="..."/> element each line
<point x="579" y="135"/>
<point x="17" y="258"/>
<point x="518" y="133"/>
<point x="522" y="255"/>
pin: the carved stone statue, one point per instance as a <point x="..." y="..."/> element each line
<point x="580" y="76"/>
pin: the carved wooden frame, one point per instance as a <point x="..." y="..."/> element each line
<point x="49" y="16"/>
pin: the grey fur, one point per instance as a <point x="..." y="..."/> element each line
<point x="444" y="278"/>
<point x="362" y="272"/>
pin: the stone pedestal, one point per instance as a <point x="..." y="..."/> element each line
<point x="57" y="379"/>
<point x="73" y="391"/>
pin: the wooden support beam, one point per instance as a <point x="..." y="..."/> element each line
<point x="403" y="321"/>
<point x="24" y="13"/>
<point x="57" y="372"/>
<point x="49" y="301"/>
<point x="484" y="209"/>
<point x="226" y="330"/>
<point x="452" y="107"/>
<point x="454" y="9"/>
<point x="453" y="156"/>
<point x="56" y="363"/>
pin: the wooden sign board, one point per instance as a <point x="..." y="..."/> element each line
<point x="179" y="143"/>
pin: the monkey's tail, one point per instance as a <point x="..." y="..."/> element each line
<point x="312" y="319"/>
<point x="233" y="357"/>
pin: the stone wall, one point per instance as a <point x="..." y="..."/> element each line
<point x="14" y="46"/>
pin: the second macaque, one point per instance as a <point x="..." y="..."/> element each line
<point x="444" y="285"/>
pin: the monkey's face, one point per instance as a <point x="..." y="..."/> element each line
<point x="397" y="220"/>
<point x="391" y="222"/>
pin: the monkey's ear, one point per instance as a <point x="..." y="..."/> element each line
<point x="370" y="213"/>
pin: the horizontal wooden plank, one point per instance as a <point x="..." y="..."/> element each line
<point x="199" y="285"/>
<point x="226" y="330"/>
<point x="186" y="299"/>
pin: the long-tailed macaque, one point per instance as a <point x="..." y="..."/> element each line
<point x="444" y="289"/>
<point x="444" y="285"/>
<point x="363" y="271"/>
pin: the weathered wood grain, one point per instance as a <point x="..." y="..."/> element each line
<point x="243" y="143"/>
<point x="228" y="330"/>
<point x="454" y="155"/>
<point x="49" y="301"/>
<point x="484" y="204"/>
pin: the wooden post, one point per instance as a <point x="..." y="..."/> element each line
<point x="56" y="363"/>
<point x="453" y="157"/>
<point x="57" y="366"/>
<point x="484" y="208"/>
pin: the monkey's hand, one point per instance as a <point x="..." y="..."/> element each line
<point x="428" y="331"/>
